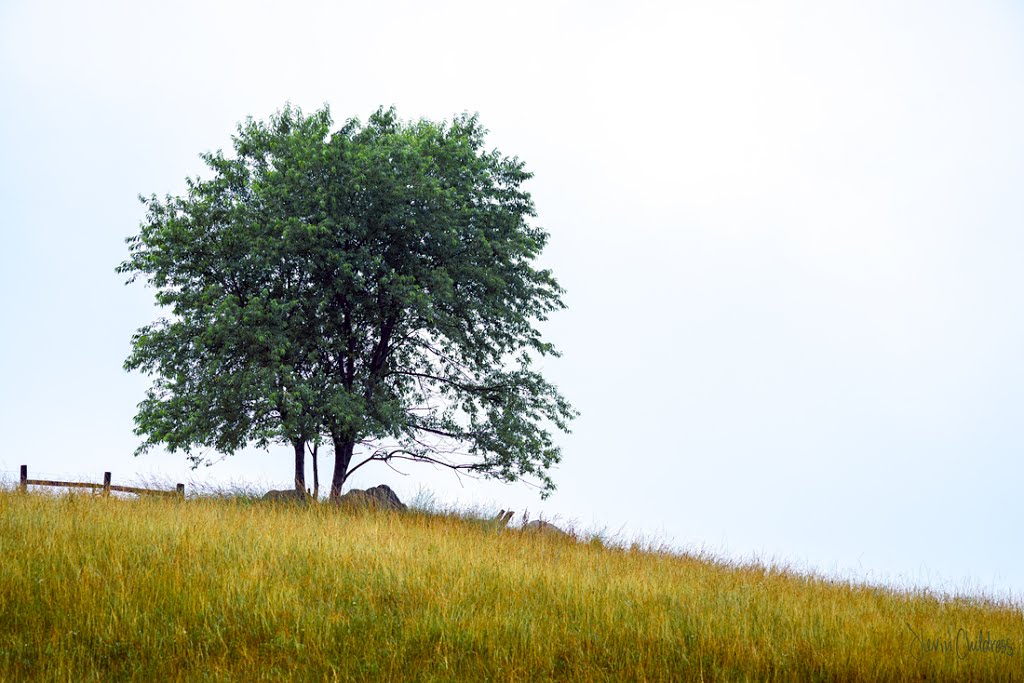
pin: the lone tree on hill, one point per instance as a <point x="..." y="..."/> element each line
<point x="371" y="287"/>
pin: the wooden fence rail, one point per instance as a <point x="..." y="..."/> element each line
<point x="106" y="486"/>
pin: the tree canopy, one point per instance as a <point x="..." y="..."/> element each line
<point x="373" y="287"/>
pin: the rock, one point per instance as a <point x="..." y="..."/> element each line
<point x="379" y="497"/>
<point x="287" y="496"/>
<point x="541" y="527"/>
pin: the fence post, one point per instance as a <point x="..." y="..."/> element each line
<point x="106" y="483"/>
<point x="23" y="485"/>
<point x="181" y="491"/>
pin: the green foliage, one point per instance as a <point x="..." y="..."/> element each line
<point x="374" y="285"/>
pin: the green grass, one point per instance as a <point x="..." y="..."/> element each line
<point x="214" y="589"/>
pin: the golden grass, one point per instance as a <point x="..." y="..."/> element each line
<point x="108" y="589"/>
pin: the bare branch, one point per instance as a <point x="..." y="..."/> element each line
<point x="465" y="387"/>
<point x="353" y="469"/>
<point x="439" y="432"/>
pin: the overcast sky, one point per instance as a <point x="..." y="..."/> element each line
<point x="791" y="235"/>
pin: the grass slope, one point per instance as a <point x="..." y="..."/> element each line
<point x="107" y="589"/>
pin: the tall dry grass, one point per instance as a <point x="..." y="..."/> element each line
<point x="215" y="589"/>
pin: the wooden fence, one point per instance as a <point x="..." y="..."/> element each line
<point x="106" y="486"/>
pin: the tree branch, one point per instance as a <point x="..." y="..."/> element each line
<point x="446" y="380"/>
<point x="440" y="433"/>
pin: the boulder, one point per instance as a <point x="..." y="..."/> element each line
<point x="541" y="527"/>
<point x="287" y="496"/>
<point x="379" y="497"/>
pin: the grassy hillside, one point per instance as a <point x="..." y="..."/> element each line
<point x="106" y="589"/>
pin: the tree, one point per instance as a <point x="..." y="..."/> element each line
<point x="373" y="287"/>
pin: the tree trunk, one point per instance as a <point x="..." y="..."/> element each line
<point x="300" y="464"/>
<point x="316" y="473"/>
<point x="343" y="448"/>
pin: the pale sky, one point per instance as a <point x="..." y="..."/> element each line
<point x="790" y="235"/>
